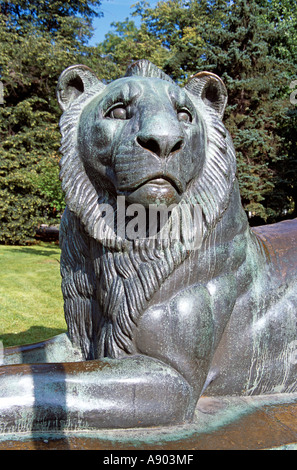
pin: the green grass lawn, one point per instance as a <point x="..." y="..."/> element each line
<point x="31" y="303"/>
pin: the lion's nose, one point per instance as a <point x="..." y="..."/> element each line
<point x="163" y="146"/>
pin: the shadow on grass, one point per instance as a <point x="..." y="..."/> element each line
<point x="33" y="335"/>
<point x="40" y="252"/>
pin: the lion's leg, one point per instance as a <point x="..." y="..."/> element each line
<point x="133" y="392"/>
<point x="57" y="349"/>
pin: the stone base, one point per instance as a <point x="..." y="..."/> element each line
<point x="225" y="423"/>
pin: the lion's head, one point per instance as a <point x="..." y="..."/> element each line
<point x="145" y="138"/>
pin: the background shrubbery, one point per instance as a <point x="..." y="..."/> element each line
<point x="251" y="44"/>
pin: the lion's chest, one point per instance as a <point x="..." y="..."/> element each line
<point x="179" y="332"/>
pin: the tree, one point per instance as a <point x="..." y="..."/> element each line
<point x="38" y="40"/>
<point x="71" y="19"/>
<point x="179" y="26"/>
<point x="244" y="50"/>
<point x="283" y="14"/>
<point x="127" y="43"/>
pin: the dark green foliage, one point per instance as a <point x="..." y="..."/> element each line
<point x="70" y="19"/>
<point x="38" y="40"/>
<point x="245" y="53"/>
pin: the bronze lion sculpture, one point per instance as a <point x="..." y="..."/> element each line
<point x="152" y="322"/>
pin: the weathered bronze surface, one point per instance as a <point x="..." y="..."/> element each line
<point x="154" y="323"/>
<point x="228" y="423"/>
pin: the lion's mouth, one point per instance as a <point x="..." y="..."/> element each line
<point x="161" y="182"/>
<point x="156" y="190"/>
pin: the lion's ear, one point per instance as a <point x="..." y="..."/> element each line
<point x="211" y="89"/>
<point x="73" y="82"/>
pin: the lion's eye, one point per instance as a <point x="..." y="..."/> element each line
<point x="118" y="113"/>
<point x="184" y="116"/>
